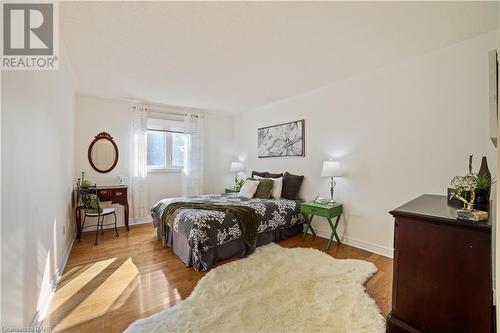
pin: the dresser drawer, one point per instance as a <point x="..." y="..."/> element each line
<point x="119" y="195"/>
<point x="323" y="210"/>
<point x="104" y="195"/>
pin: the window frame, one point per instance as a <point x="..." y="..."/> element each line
<point x="167" y="168"/>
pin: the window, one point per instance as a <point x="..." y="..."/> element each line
<point x="165" y="143"/>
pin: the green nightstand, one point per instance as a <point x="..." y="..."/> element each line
<point x="232" y="190"/>
<point x="309" y="209"/>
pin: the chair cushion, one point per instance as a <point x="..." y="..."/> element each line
<point x="90" y="203"/>
<point x="105" y="211"/>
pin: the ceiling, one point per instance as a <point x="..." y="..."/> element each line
<point x="234" y="57"/>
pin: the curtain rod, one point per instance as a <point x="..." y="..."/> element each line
<point x="170" y="112"/>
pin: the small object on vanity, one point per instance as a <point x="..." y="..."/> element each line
<point x="472" y="215"/>
<point x="331" y="169"/>
<point x="237" y="167"/>
<point x="81" y="181"/>
<point x="103" y="153"/>
<point x="84" y="183"/>
<point x="328" y="211"/>
<point x="121" y="180"/>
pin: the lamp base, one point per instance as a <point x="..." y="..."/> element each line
<point x="331" y="202"/>
<point x="332" y="188"/>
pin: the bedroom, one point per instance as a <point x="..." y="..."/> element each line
<point x="369" y="105"/>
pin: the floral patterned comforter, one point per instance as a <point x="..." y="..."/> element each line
<point x="208" y="228"/>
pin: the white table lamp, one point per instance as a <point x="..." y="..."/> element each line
<point x="331" y="169"/>
<point x="236" y="167"/>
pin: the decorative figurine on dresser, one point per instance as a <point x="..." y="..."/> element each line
<point x="442" y="270"/>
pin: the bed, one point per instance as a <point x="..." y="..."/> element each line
<point x="201" y="238"/>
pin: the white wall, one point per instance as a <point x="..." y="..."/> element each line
<point x="400" y="131"/>
<point x="95" y="115"/>
<point x="38" y="128"/>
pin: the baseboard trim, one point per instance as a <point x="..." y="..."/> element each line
<point x="383" y="251"/>
<point x="143" y="220"/>
<point x="56" y="278"/>
<point x="140" y="221"/>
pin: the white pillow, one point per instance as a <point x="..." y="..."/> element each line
<point x="257" y="177"/>
<point x="249" y="188"/>
<point x="277" y="187"/>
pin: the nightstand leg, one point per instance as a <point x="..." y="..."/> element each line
<point x="308" y="219"/>
<point x="334" y="232"/>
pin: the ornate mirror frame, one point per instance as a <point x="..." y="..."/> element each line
<point x="101" y="136"/>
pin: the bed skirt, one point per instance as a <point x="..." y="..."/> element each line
<point x="232" y="249"/>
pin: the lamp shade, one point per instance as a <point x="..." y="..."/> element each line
<point x="331" y="169"/>
<point x="237" y="167"/>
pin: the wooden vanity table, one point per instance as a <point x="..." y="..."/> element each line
<point x="117" y="194"/>
<point x="103" y="157"/>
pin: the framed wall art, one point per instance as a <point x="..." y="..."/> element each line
<point x="281" y="140"/>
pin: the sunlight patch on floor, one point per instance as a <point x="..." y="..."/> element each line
<point x="75" y="279"/>
<point x="100" y="293"/>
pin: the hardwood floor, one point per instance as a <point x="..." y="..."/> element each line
<point x="106" y="287"/>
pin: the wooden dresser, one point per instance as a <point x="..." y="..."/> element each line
<point x="117" y="194"/>
<point x="442" y="270"/>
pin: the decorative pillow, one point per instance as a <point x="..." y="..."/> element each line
<point x="274" y="175"/>
<point x="291" y="185"/>
<point x="277" y="188"/>
<point x="90" y="203"/>
<point x="249" y="188"/>
<point x="260" y="174"/>
<point x="264" y="189"/>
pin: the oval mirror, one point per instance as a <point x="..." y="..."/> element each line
<point x="103" y="153"/>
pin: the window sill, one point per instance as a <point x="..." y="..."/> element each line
<point x="168" y="170"/>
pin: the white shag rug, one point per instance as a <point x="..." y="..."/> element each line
<point x="276" y="290"/>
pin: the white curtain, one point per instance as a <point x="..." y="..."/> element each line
<point x="193" y="155"/>
<point x="139" y="191"/>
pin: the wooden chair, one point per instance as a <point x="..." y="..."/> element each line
<point x="89" y="202"/>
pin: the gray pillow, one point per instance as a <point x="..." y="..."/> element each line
<point x="291" y="186"/>
<point x="274" y="175"/>
<point x="260" y="174"/>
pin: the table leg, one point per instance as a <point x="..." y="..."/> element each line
<point x="334" y="232"/>
<point x="308" y="219"/>
<point x="78" y="219"/>
<point x="126" y="215"/>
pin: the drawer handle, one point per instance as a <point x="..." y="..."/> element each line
<point x="103" y="192"/>
<point x="118" y="194"/>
